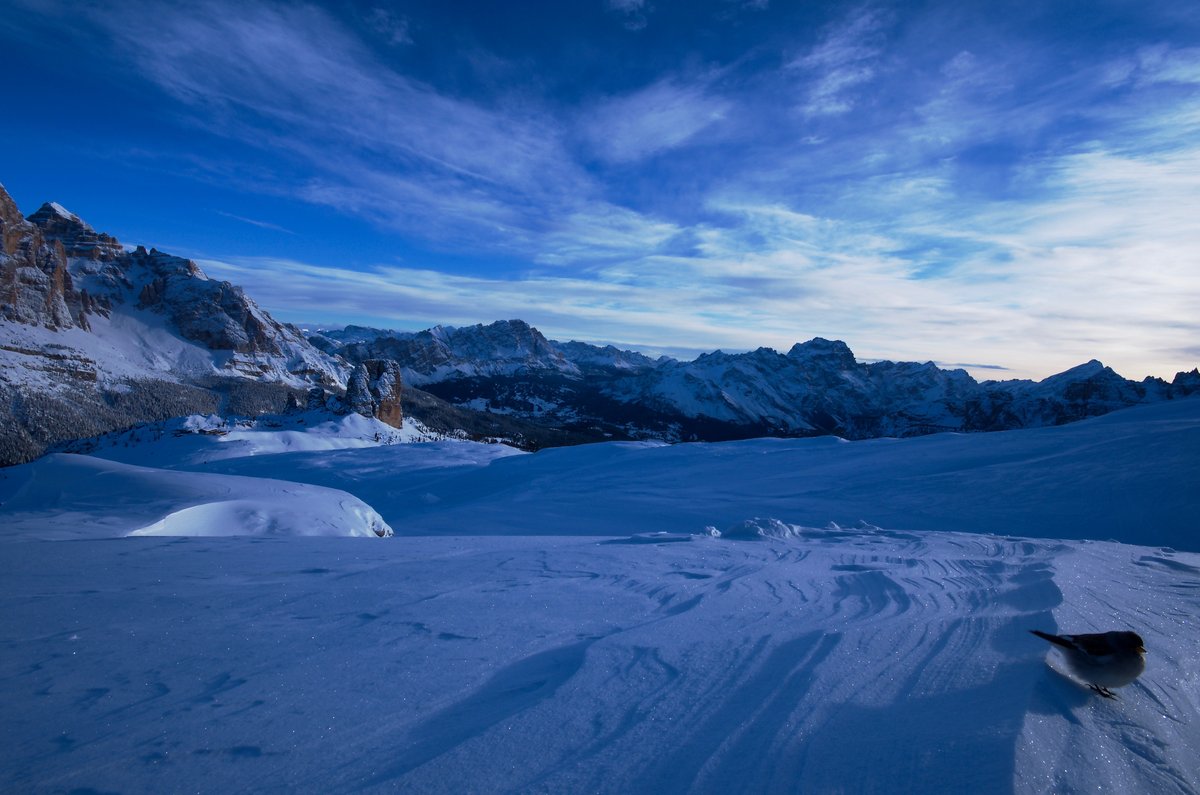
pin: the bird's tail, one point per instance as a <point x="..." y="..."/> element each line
<point x="1055" y="639"/>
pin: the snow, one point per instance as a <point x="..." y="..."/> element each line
<point x="199" y="439"/>
<point x="92" y="498"/>
<point x="610" y="618"/>
<point x="130" y="344"/>
<point x="1128" y="476"/>
<point x="63" y="212"/>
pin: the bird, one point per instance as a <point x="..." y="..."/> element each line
<point x="1104" y="659"/>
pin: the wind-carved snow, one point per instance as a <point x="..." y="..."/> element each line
<point x="610" y="618"/>
<point x="851" y="660"/>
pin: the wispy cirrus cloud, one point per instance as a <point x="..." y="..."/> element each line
<point x="293" y="80"/>
<point x="655" y="119"/>
<point x="922" y="184"/>
<point x="394" y="28"/>
<point x="253" y="222"/>
<point x="845" y="58"/>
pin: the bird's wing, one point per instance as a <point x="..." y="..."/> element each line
<point x="1095" y="645"/>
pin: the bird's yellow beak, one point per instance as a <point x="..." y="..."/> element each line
<point x="1141" y="650"/>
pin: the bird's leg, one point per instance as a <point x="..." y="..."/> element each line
<point x="1104" y="691"/>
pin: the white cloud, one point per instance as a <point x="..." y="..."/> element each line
<point x="292" y="79"/>
<point x="658" y="118"/>
<point x="844" y="59"/>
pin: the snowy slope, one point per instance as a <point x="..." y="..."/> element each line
<point x="569" y="621"/>
<point x="64" y="497"/>
<point x="198" y="439"/>
<point x="1130" y="476"/>
<point x="864" y="661"/>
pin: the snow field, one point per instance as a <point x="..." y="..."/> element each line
<point x="566" y="621"/>
<point x="837" y="660"/>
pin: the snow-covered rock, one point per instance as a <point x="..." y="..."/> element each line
<point x="444" y="352"/>
<point x="58" y="273"/>
<point x="95" y="337"/>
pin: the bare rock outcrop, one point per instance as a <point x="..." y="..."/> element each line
<point x="78" y="238"/>
<point x="374" y="390"/>
<point x="35" y="284"/>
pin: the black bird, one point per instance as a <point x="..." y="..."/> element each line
<point x="1104" y="659"/>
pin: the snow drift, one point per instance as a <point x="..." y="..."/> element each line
<point x="73" y="497"/>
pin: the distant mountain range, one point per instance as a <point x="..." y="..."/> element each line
<point x="96" y="336"/>
<point x="816" y="388"/>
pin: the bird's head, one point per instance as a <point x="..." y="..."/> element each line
<point x="1131" y="640"/>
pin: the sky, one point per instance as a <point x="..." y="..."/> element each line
<point x="1010" y="187"/>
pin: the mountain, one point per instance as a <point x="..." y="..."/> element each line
<point x="95" y="336"/>
<point x="818" y="387"/>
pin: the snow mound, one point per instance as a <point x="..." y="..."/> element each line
<point x="93" y="498"/>
<point x="200" y="439"/>
<point x="757" y="529"/>
<point x="255" y="517"/>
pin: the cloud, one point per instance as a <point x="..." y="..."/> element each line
<point x="634" y="12"/>
<point x="844" y="59"/>
<point x="252" y="222"/>
<point x="663" y="116"/>
<point x="1156" y="64"/>
<point x="394" y="29"/>
<point x="294" y="82"/>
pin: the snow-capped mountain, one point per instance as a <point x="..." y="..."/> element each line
<point x="817" y="387"/>
<point x="58" y="273"/>
<point x="94" y="335"/>
<point x="445" y="353"/>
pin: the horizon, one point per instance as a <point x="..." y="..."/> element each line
<point x="1010" y="186"/>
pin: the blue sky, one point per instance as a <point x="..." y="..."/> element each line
<point x="1010" y="186"/>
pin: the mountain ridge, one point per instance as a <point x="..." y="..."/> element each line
<point x="96" y="336"/>
<point x="817" y="387"/>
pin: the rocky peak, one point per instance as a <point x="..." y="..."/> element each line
<point x="374" y="390"/>
<point x="10" y="214"/>
<point x="1187" y="383"/>
<point x="78" y="238"/>
<point x="35" y="284"/>
<point x="832" y="354"/>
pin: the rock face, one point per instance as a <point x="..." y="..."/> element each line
<point x="35" y="283"/>
<point x="94" y="337"/>
<point x="78" y="238"/>
<point x="374" y="390"/>
<point x="56" y="271"/>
